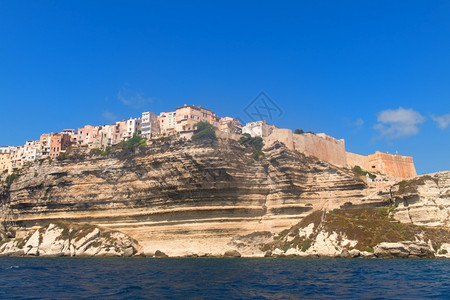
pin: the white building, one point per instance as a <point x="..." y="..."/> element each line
<point x="7" y="149"/>
<point x="150" y="124"/>
<point x="133" y="126"/>
<point x="32" y="150"/>
<point x="167" y="122"/>
<point x="258" y="128"/>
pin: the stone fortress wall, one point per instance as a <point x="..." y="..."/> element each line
<point x="394" y="165"/>
<point x="321" y="146"/>
<point x="333" y="151"/>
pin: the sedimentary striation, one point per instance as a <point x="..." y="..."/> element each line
<point x="179" y="196"/>
<point x="188" y="198"/>
<point x="423" y="200"/>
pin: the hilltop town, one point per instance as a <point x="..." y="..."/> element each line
<point x="181" y="123"/>
<point x="168" y="185"/>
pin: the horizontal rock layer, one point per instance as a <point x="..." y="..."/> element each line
<point x="180" y="195"/>
<point x="424" y="200"/>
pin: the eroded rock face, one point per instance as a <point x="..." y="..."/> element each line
<point x="403" y="250"/>
<point x="180" y="197"/>
<point x="359" y="233"/>
<point x="63" y="239"/>
<point x="424" y="200"/>
<point x="232" y="253"/>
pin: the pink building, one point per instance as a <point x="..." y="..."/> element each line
<point x="59" y="143"/>
<point x="87" y="135"/>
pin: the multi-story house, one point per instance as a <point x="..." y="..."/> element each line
<point x="7" y="149"/>
<point x="5" y="159"/>
<point x="150" y="124"/>
<point x="44" y="144"/>
<point x="5" y="162"/>
<point x="32" y="150"/>
<point x="59" y="143"/>
<point x="87" y="135"/>
<point x="17" y="157"/>
<point x="109" y="135"/>
<point x="189" y="115"/>
<point x="122" y="125"/>
<point x="133" y="126"/>
<point x="230" y="125"/>
<point x="167" y="122"/>
<point x="73" y="136"/>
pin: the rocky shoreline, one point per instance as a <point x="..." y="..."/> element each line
<point x="70" y="240"/>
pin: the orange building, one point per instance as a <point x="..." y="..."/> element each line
<point x="189" y="115"/>
<point x="59" y="143"/>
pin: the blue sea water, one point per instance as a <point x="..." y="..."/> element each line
<point x="222" y="278"/>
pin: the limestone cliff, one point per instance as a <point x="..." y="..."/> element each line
<point x="354" y="232"/>
<point x="67" y="239"/>
<point x="424" y="200"/>
<point x="179" y="196"/>
<point x="413" y="223"/>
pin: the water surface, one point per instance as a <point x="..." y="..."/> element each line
<point x="221" y="278"/>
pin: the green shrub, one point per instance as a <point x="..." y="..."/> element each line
<point x="136" y="141"/>
<point x="257" y="154"/>
<point x="133" y="143"/>
<point x="64" y="155"/>
<point x="306" y="245"/>
<point x="299" y="131"/>
<point x="255" y="142"/>
<point x="95" y="151"/>
<point x="360" y="172"/>
<point x="204" y="131"/>
<point x="11" y="178"/>
<point x="106" y="152"/>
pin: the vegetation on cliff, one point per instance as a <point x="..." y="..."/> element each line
<point x="254" y="142"/>
<point x="204" y="131"/>
<point x="411" y="185"/>
<point x="133" y="143"/>
<point x="369" y="227"/>
<point x="360" y="172"/>
<point x="11" y="178"/>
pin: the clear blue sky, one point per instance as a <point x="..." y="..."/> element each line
<point x="376" y="73"/>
